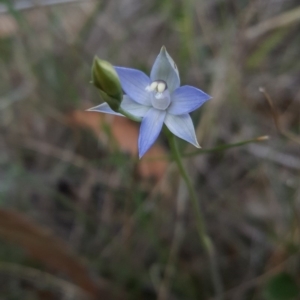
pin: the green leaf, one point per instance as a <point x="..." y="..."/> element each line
<point x="281" y="287"/>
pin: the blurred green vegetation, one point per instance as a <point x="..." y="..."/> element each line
<point x="69" y="173"/>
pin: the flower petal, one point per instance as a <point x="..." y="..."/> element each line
<point x="150" y="129"/>
<point x="104" y="108"/>
<point x="183" y="127"/>
<point x="134" y="83"/>
<point x="134" y="108"/>
<point x="165" y="69"/>
<point x="186" y="99"/>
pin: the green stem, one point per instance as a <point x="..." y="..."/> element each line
<point x="226" y="146"/>
<point x="211" y="150"/>
<point x="201" y="227"/>
<point x="129" y="116"/>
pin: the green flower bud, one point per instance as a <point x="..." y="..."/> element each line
<point x="106" y="79"/>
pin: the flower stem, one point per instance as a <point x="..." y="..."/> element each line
<point x="201" y="227"/>
<point x="129" y="116"/>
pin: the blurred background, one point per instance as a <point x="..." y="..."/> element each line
<point x="82" y="218"/>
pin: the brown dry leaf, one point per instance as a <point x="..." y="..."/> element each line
<point x="153" y="168"/>
<point x="125" y="133"/>
<point x="43" y="246"/>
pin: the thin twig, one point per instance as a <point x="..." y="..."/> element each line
<point x="284" y="19"/>
<point x="219" y="148"/>
<point x="27" y="4"/>
<point x="147" y="206"/>
<point x="257" y="280"/>
<point x="200" y="222"/>
<point x="83" y="195"/>
<point x="69" y="157"/>
<point x="37" y="276"/>
<point x="286" y="160"/>
<point x="226" y="146"/>
<point x="16" y="95"/>
<point x="276" y="119"/>
<point x="178" y="236"/>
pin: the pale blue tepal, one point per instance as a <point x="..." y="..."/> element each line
<point x="158" y="100"/>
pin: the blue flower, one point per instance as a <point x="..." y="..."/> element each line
<point x="158" y="100"/>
